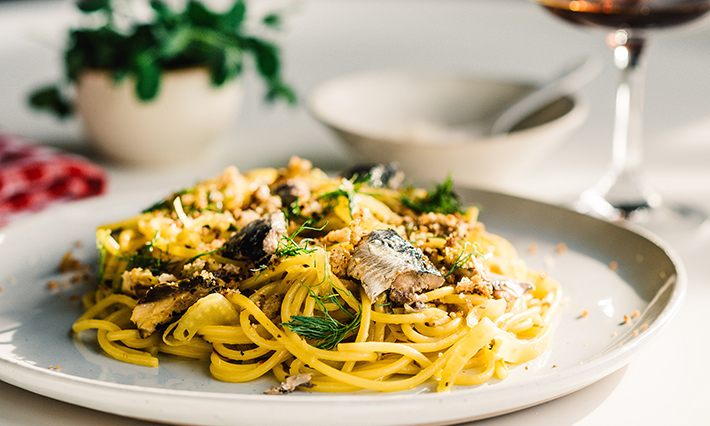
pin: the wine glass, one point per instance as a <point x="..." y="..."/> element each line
<point x="623" y="192"/>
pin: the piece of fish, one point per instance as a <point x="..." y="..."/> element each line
<point x="258" y="240"/>
<point x="377" y="175"/>
<point x="384" y="261"/>
<point x="508" y="288"/>
<point x="291" y="191"/>
<point x="165" y="301"/>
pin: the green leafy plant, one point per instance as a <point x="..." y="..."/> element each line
<point x="173" y="39"/>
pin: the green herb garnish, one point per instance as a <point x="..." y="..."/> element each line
<point x="440" y="199"/>
<point x="194" y="258"/>
<point x="148" y="257"/>
<point x="167" y="203"/>
<point x="325" y="331"/>
<point x="347" y="189"/>
<point x="174" y="39"/>
<point x="103" y="252"/>
<point x="464" y="257"/>
<point x="288" y="247"/>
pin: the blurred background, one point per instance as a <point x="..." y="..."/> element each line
<point x="322" y="39"/>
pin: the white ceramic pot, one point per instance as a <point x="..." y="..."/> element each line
<point x="186" y="117"/>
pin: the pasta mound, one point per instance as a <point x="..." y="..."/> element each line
<point x="353" y="283"/>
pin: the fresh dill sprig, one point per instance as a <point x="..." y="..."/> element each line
<point x="288" y="247"/>
<point x="148" y="257"/>
<point x="103" y="251"/>
<point x="293" y="210"/>
<point x="325" y="331"/>
<point x="464" y="257"/>
<point x="167" y="203"/>
<point x="440" y="199"/>
<point x="348" y="189"/>
<point x="197" y="256"/>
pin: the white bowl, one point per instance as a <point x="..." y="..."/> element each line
<point x="435" y="124"/>
<point x="187" y="116"/>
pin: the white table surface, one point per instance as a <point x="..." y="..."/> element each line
<point x="667" y="383"/>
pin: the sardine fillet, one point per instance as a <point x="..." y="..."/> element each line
<point x="385" y="261"/>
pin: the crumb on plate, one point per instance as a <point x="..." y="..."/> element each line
<point x="290" y="385"/>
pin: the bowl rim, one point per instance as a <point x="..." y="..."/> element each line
<point x="578" y="112"/>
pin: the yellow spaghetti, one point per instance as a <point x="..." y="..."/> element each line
<point x="346" y="283"/>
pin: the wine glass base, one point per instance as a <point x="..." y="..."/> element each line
<point x="666" y="219"/>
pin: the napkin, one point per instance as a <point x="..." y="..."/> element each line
<point x="33" y="176"/>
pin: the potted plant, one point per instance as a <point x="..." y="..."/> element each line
<point x="158" y="89"/>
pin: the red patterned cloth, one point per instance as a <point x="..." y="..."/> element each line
<point x="33" y="176"/>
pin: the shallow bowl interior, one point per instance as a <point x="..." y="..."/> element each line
<point x="434" y="124"/>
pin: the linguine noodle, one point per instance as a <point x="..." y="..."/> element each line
<point x="299" y="310"/>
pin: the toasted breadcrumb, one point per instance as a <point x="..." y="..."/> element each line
<point x="290" y="385"/>
<point x="533" y="248"/>
<point x="584" y="313"/>
<point x="613" y="334"/>
<point x="561" y="248"/>
<point x="613" y="265"/>
<point x="53" y="285"/>
<point x="627" y="319"/>
<point x="635" y="333"/>
<point x="635" y="314"/>
<point x="644" y="327"/>
<point x="69" y="263"/>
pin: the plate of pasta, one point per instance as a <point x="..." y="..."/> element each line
<point x="291" y="296"/>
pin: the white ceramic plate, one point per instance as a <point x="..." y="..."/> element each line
<point x="38" y="353"/>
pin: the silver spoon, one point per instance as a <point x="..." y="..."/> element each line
<point x="572" y="78"/>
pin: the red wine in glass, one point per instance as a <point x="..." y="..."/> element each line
<point x="635" y="15"/>
<point x="623" y="192"/>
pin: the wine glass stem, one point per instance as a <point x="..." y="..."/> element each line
<point x="623" y="186"/>
<point x="627" y="149"/>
